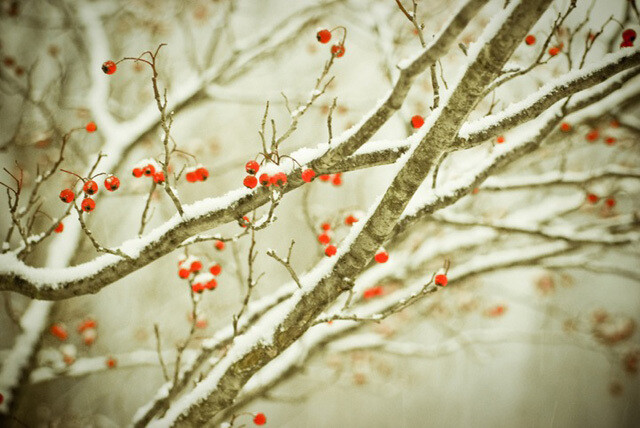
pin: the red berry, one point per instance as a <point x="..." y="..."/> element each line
<point x="553" y="51"/>
<point x="252" y="167"/>
<point x="211" y="284"/>
<point x="215" y="269"/>
<point x="323" y="36"/>
<point x="67" y="195"/>
<point x="137" y="172"/>
<point x="219" y="245"/>
<point x="112" y="183"/>
<point x="251" y="181"/>
<point x="197" y="287"/>
<point x="196" y="266"/>
<point x="88" y="205"/>
<point x="610" y="141"/>
<point x="158" y="177"/>
<point x="592" y="198"/>
<point x="307" y="175"/>
<point x="325" y="177"/>
<point x="191" y="177"/>
<point x="279" y="179"/>
<point x="441" y="280"/>
<point x="610" y="202"/>
<point x="259" y="419"/>
<point x="382" y="257"/>
<point x="337" y="179"/>
<point x="202" y="173"/>
<point x="244" y="221"/>
<point x="265" y="180"/>
<point x="629" y="35"/>
<point x="111" y="362"/>
<point x="325" y="226"/>
<point x="373" y="292"/>
<point x="565" y="127"/>
<point x="626" y="44"/>
<point x="90" y="187"/>
<point x="91" y="127"/>
<point x="183" y="273"/>
<point x="593" y="135"/>
<point x="614" y="123"/>
<point x="109" y="67"/>
<point x="500" y="139"/>
<point x="337" y="50"/>
<point x="59" y="331"/>
<point x="59" y="228"/>
<point x="530" y="39"/>
<point x="149" y="170"/>
<point x="350" y="220"/>
<point x="324" y="238"/>
<point x="417" y="121"/>
<point x="86" y="324"/>
<point x="331" y="250"/>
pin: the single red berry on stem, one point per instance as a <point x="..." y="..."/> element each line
<point x="91" y="127"/>
<point x="137" y="172"/>
<point x="59" y="228"/>
<point x="59" y="331"/>
<point x="593" y="135"/>
<point x="202" y="173"/>
<point x="325" y="226"/>
<point x="337" y="50"/>
<point x="610" y="141"/>
<point x="324" y="238"/>
<point x="592" y="198"/>
<point x="158" y="177"/>
<point x="307" y="175"/>
<point x="565" y="127"/>
<point x="553" y="51"/>
<point x="251" y="181"/>
<point x="112" y="183"/>
<point x="191" y="177"/>
<point x="323" y="36"/>
<point x="610" y="202"/>
<point x="331" y="250"/>
<point x="184" y="273"/>
<point x="90" y="187"/>
<point x="417" y="121"/>
<point x="350" y="220"/>
<point x="109" y="67"/>
<point x="530" y="39"/>
<point x="111" y="362"/>
<point x="279" y="179"/>
<point x="196" y="266"/>
<point x="215" y="269"/>
<point x="629" y="35"/>
<point x="88" y="205"/>
<point x="252" y="167"/>
<point x="337" y="179"/>
<point x="265" y="180"/>
<point x="382" y="257"/>
<point x="500" y="139"/>
<point x="219" y="245"/>
<point x="441" y="280"/>
<point x="67" y="195"/>
<point x="149" y="170"/>
<point x="259" y="419"/>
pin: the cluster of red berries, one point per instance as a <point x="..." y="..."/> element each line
<point x="336" y="179"/>
<point x="90" y="188"/>
<point x="191" y="268"/>
<point x="628" y="37"/>
<point x="593" y="199"/>
<point x="196" y="173"/>
<point x="278" y="179"/>
<point x="149" y="168"/>
<point x="87" y="328"/>
<point x="325" y="238"/>
<point x="324" y="36"/>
